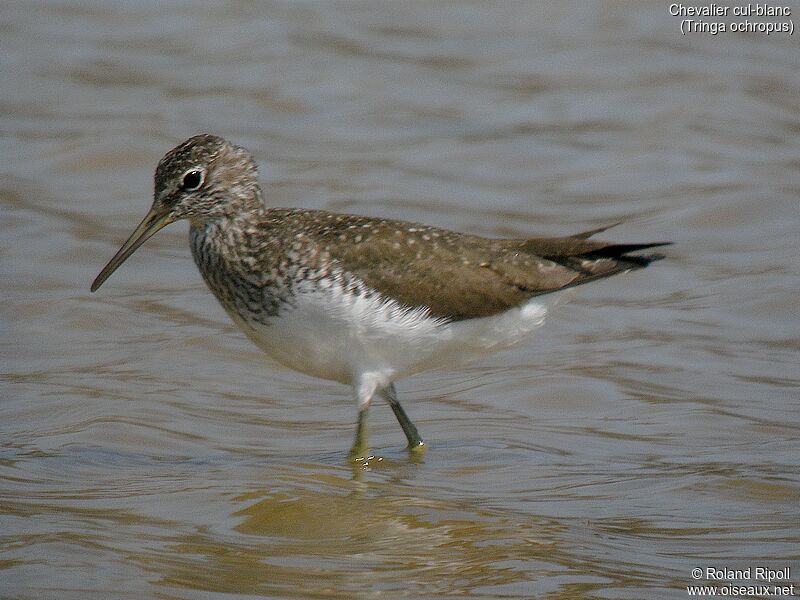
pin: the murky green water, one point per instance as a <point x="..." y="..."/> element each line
<point x="148" y="451"/>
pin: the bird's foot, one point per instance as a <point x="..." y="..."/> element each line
<point x="418" y="447"/>
<point x="362" y="460"/>
<point x="359" y="454"/>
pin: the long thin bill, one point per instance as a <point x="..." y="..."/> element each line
<point x="149" y="226"/>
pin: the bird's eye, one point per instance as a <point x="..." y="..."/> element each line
<point x="192" y="180"/>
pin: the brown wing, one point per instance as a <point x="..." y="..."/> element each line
<point x="458" y="276"/>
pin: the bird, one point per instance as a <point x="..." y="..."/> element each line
<point x="355" y="299"/>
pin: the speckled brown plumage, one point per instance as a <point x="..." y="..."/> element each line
<point x="455" y="276"/>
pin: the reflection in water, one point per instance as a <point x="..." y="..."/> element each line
<point x="340" y="538"/>
<point x="651" y="427"/>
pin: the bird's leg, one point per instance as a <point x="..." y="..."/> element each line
<point x="414" y="440"/>
<point x="365" y="391"/>
<point x="360" y="449"/>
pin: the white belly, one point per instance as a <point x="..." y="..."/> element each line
<point x="346" y="338"/>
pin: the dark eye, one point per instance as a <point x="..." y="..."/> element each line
<point x="192" y="180"/>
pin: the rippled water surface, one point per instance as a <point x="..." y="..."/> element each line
<point x="147" y="450"/>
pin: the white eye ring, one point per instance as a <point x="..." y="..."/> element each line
<point x="193" y="179"/>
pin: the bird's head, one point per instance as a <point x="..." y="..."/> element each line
<point x="203" y="179"/>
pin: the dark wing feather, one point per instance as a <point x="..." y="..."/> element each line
<point x="587" y="234"/>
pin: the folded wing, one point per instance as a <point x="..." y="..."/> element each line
<point x="458" y="276"/>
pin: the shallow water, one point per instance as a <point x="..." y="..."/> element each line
<point x="147" y="450"/>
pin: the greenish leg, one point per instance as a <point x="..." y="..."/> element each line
<point x="414" y="440"/>
<point x="360" y="449"/>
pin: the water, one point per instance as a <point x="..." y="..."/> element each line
<point x="148" y="451"/>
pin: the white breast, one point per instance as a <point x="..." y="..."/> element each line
<point x="331" y="333"/>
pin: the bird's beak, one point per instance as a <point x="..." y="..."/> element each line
<point x="149" y="226"/>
